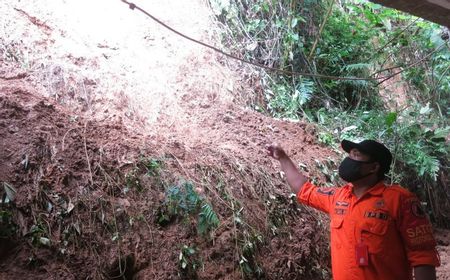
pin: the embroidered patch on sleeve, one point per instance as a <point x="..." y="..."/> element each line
<point x="420" y="235"/>
<point x="415" y="226"/>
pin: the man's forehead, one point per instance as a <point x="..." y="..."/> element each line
<point x="359" y="152"/>
<point x="356" y="150"/>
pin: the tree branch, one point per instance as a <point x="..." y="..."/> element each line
<point x="322" y="25"/>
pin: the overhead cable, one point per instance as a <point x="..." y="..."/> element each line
<point x="379" y="80"/>
<point x="295" y="73"/>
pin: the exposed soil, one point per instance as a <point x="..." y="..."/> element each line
<point x="46" y="156"/>
<point x="89" y="93"/>
<point x="81" y="107"/>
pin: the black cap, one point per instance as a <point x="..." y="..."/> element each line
<point x="374" y="149"/>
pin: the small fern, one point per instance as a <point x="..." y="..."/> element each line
<point x="184" y="202"/>
<point x="427" y="165"/>
<point x="207" y="219"/>
<point x="357" y="67"/>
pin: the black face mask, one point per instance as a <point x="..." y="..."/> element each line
<point x="350" y="169"/>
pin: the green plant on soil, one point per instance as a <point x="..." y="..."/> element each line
<point x="250" y="244"/>
<point x="247" y="239"/>
<point x="279" y="208"/>
<point x="39" y="234"/>
<point x="328" y="169"/>
<point x="182" y="201"/>
<point x="132" y="180"/>
<point x="207" y="219"/>
<point x="152" y="165"/>
<point x="288" y="101"/>
<point x="189" y="262"/>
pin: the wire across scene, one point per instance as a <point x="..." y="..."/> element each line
<point x="379" y="80"/>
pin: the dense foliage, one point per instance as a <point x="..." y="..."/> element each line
<point x="404" y="102"/>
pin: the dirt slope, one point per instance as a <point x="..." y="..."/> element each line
<point x="102" y="112"/>
<point x="90" y="93"/>
<point x="54" y="161"/>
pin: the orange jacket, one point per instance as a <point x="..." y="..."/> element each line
<point x="386" y="224"/>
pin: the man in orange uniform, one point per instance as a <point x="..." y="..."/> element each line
<point x="378" y="232"/>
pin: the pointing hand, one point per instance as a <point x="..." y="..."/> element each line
<point x="275" y="151"/>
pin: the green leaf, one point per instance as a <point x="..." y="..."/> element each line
<point x="376" y="6"/>
<point x="357" y="66"/>
<point x="390" y="119"/>
<point x="265" y="7"/>
<point x="294" y="22"/>
<point x="425" y="110"/>
<point x="441" y="133"/>
<point x="207" y="219"/>
<point x="301" y="19"/>
<point x="44" y="241"/>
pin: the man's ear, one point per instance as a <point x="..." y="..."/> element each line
<point x="376" y="167"/>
